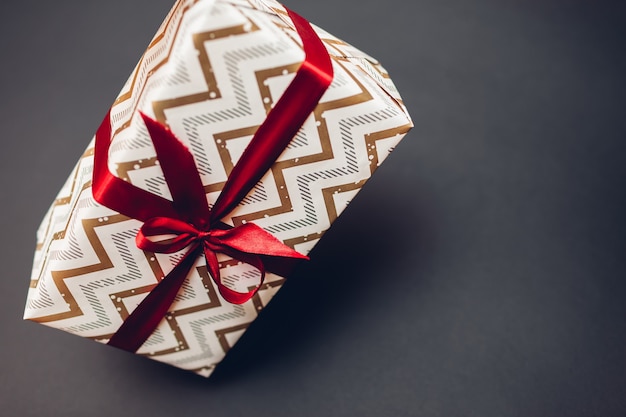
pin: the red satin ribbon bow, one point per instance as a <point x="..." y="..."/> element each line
<point x="188" y="216"/>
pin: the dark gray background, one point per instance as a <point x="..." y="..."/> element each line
<point x="484" y="262"/>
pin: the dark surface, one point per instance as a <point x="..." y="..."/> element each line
<point x="485" y="262"/>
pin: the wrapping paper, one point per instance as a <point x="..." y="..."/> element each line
<point x="211" y="74"/>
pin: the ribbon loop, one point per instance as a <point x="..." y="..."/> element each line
<point x="161" y="226"/>
<point x="230" y="295"/>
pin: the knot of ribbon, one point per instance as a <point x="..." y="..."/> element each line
<point x="188" y="217"/>
<point x="246" y="243"/>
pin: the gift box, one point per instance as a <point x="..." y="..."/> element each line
<point x="240" y="136"/>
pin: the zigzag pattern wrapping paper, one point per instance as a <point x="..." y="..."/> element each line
<point x="211" y="73"/>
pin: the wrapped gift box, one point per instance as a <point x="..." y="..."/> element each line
<point x="212" y="74"/>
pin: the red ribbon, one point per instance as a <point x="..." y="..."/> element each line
<point x="188" y="216"/>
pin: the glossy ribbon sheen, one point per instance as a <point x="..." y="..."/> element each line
<point x="188" y="217"/>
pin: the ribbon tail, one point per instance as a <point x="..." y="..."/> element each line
<point x="250" y="238"/>
<point x="142" y="322"/>
<point x="247" y="243"/>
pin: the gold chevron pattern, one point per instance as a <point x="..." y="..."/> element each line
<point x="212" y="73"/>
